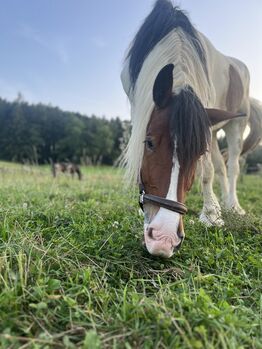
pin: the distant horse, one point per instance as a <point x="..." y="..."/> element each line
<point x="255" y="125"/>
<point x="250" y="143"/>
<point x="66" y="167"/>
<point x="182" y="91"/>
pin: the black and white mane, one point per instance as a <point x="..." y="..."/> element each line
<point x="160" y="22"/>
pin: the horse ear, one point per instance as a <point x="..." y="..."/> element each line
<point x="162" y="90"/>
<point x="218" y="115"/>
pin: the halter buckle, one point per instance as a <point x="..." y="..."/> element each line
<point x="141" y="199"/>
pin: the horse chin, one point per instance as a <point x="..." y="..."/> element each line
<point x="162" y="247"/>
<point x="160" y="235"/>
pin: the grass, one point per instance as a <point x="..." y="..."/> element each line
<point x="73" y="273"/>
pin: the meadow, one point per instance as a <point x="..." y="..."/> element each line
<point x="74" y="274"/>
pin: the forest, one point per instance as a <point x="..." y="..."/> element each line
<point x="40" y="133"/>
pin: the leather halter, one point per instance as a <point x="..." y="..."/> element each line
<point x="170" y="205"/>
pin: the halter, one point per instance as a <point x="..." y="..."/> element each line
<point x="170" y="205"/>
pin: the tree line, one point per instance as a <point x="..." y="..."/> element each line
<point x="42" y="133"/>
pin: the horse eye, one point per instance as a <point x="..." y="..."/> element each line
<point x="149" y="144"/>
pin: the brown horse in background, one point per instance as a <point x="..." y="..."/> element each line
<point x="66" y="167"/>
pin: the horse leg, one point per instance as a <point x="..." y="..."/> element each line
<point x="234" y="133"/>
<point x="220" y="169"/>
<point x="211" y="212"/>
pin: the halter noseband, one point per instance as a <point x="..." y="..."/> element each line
<point x="170" y="205"/>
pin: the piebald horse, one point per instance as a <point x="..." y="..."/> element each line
<point x="181" y="91"/>
<point x="66" y="167"/>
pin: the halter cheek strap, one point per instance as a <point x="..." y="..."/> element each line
<point x="170" y="205"/>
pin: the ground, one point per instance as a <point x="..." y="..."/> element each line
<point x="73" y="272"/>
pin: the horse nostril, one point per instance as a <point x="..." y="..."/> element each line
<point x="176" y="248"/>
<point x="181" y="235"/>
<point x="150" y="233"/>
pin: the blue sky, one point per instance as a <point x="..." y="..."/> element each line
<point x="69" y="52"/>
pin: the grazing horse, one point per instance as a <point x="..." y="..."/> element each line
<point x="66" y="167"/>
<point x="181" y="91"/>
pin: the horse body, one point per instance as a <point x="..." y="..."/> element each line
<point x="179" y="85"/>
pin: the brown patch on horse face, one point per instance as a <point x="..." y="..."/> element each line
<point x="235" y="90"/>
<point x="158" y="154"/>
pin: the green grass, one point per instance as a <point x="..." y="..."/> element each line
<point x="73" y="273"/>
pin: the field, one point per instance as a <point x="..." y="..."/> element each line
<point x="73" y="272"/>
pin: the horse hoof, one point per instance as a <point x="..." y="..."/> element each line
<point x="237" y="209"/>
<point x="211" y="220"/>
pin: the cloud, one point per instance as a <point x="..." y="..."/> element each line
<point x="56" y="46"/>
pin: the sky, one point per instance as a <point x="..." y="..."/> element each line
<point x="69" y="53"/>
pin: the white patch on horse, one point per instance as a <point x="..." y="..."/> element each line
<point x="220" y="169"/>
<point x="211" y="211"/>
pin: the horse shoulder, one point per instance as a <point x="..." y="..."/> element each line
<point x="218" y="73"/>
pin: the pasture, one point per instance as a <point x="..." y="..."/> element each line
<point x="73" y="272"/>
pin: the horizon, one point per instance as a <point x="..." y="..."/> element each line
<point x="71" y="56"/>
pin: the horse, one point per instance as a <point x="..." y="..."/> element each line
<point x="250" y="143"/>
<point x="255" y="134"/>
<point x="182" y="90"/>
<point x="66" y="167"/>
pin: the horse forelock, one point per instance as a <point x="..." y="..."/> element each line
<point x="190" y="131"/>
